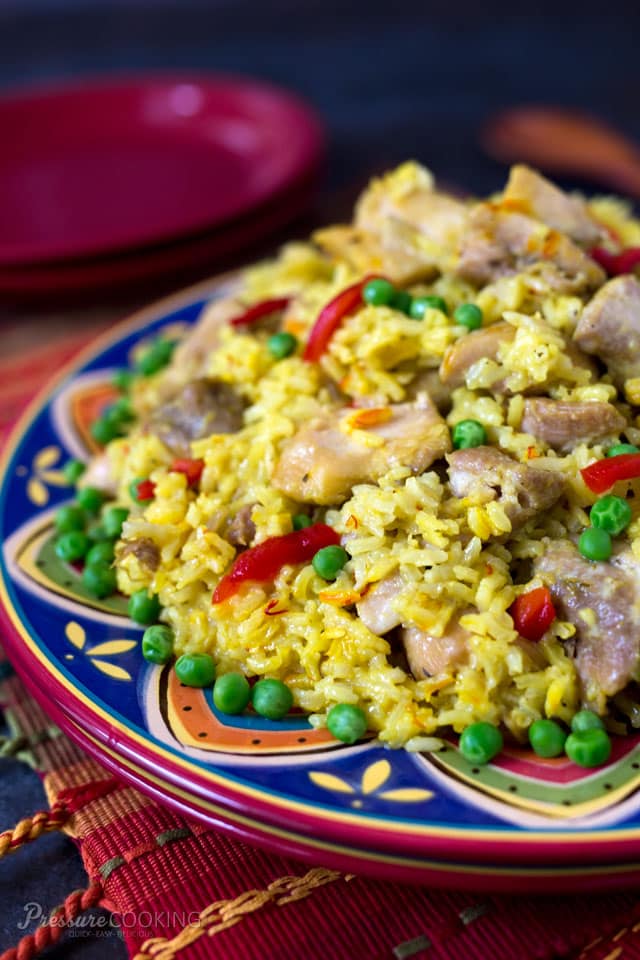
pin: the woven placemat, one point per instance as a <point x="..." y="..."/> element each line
<point x="179" y="889"/>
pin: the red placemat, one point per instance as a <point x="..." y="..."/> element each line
<point x="180" y="890"/>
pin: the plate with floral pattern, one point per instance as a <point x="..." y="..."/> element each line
<point x="518" y="823"/>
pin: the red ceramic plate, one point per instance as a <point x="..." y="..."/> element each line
<point x="159" y="268"/>
<point x="114" y="165"/>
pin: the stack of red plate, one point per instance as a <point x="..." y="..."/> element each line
<point x="110" y="185"/>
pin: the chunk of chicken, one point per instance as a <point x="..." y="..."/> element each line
<point x="529" y="192"/>
<point x="376" y="608"/>
<point x="602" y="601"/>
<point x="394" y="252"/>
<point x="499" y="242"/>
<point x="321" y="463"/>
<point x="478" y="345"/>
<point x="487" y="474"/>
<point x="610" y="327"/>
<point x="428" y="655"/>
<point x="190" y="356"/>
<point x="428" y="381"/>
<point x="563" y="425"/>
<point x="402" y="227"/>
<point x="200" y="408"/>
<point x="240" y="529"/>
<point x="144" y="549"/>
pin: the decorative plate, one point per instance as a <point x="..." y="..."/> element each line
<point x="520" y="823"/>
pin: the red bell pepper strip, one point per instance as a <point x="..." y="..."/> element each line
<point x="533" y="613"/>
<point x="262" y="563"/>
<point x="259" y="310"/>
<point x="145" y="491"/>
<point x="616" y="263"/>
<point x="601" y="475"/>
<point x="192" y="469"/>
<point x="330" y="318"/>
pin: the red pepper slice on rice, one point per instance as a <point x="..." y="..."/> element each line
<point x="262" y="563"/>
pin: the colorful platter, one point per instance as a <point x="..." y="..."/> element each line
<point x="518" y="824"/>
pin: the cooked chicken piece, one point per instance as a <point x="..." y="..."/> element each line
<point x="487" y="474"/>
<point x="428" y="655"/>
<point x="99" y="474"/>
<point x="564" y="425"/>
<point x="602" y="601"/>
<point x="144" y="550"/>
<point x="376" y="607"/>
<point x="530" y="193"/>
<point x="479" y="344"/>
<point x="201" y="408"/>
<point x="190" y="356"/>
<point x="428" y="381"/>
<point x="486" y="343"/>
<point x="321" y="463"/>
<point x="394" y="252"/>
<point x="407" y="233"/>
<point x="498" y="242"/>
<point x="610" y="327"/>
<point x="240" y="529"/>
<point x="438" y="216"/>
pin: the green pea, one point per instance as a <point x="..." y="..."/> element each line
<point x="142" y="607"/>
<point x="420" y="305"/>
<point x="281" y="345"/>
<point x="346" y="722"/>
<point x="97" y="533"/>
<point x="480" y="742"/>
<point x="586" y="720"/>
<point x="271" y="699"/>
<point x="231" y="693"/>
<point x="104" y="431"/>
<point x="120" y="412"/>
<point x="113" y="519"/>
<point x="468" y="315"/>
<point x="69" y="518"/>
<point x="547" y="738"/>
<point x="100" y="553"/>
<point x="378" y="292"/>
<point x="611" y="513"/>
<point x="301" y="520"/>
<point x="122" y="379"/>
<point x="99" y="580"/>
<point x="196" y="669"/>
<point x="620" y="448"/>
<point x="73" y="470"/>
<point x="329" y="561"/>
<point x="72" y="545"/>
<point x="588" y="748"/>
<point x="468" y="433"/>
<point x="157" y="643"/>
<point x="402" y="301"/>
<point x="595" y="544"/>
<point x="155" y="357"/>
<point x="90" y="499"/>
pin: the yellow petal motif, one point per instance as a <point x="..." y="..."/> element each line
<point x="75" y="634"/>
<point x="328" y="782"/>
<point x="46" y="457"/>
<point x="109" y="647"/>
<point x="111" y="670"/>
<point x="406" y="795"/>
<point x="375" y="775"/>
<point x="37" y="492"/>
<point x="55" y="477"/>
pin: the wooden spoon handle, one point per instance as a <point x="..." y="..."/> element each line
<point x="564" y="141"/>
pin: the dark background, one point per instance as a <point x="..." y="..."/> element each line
<point x="392" y="81"/>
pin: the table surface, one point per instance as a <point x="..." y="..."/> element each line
<point x="416" y="83"/>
